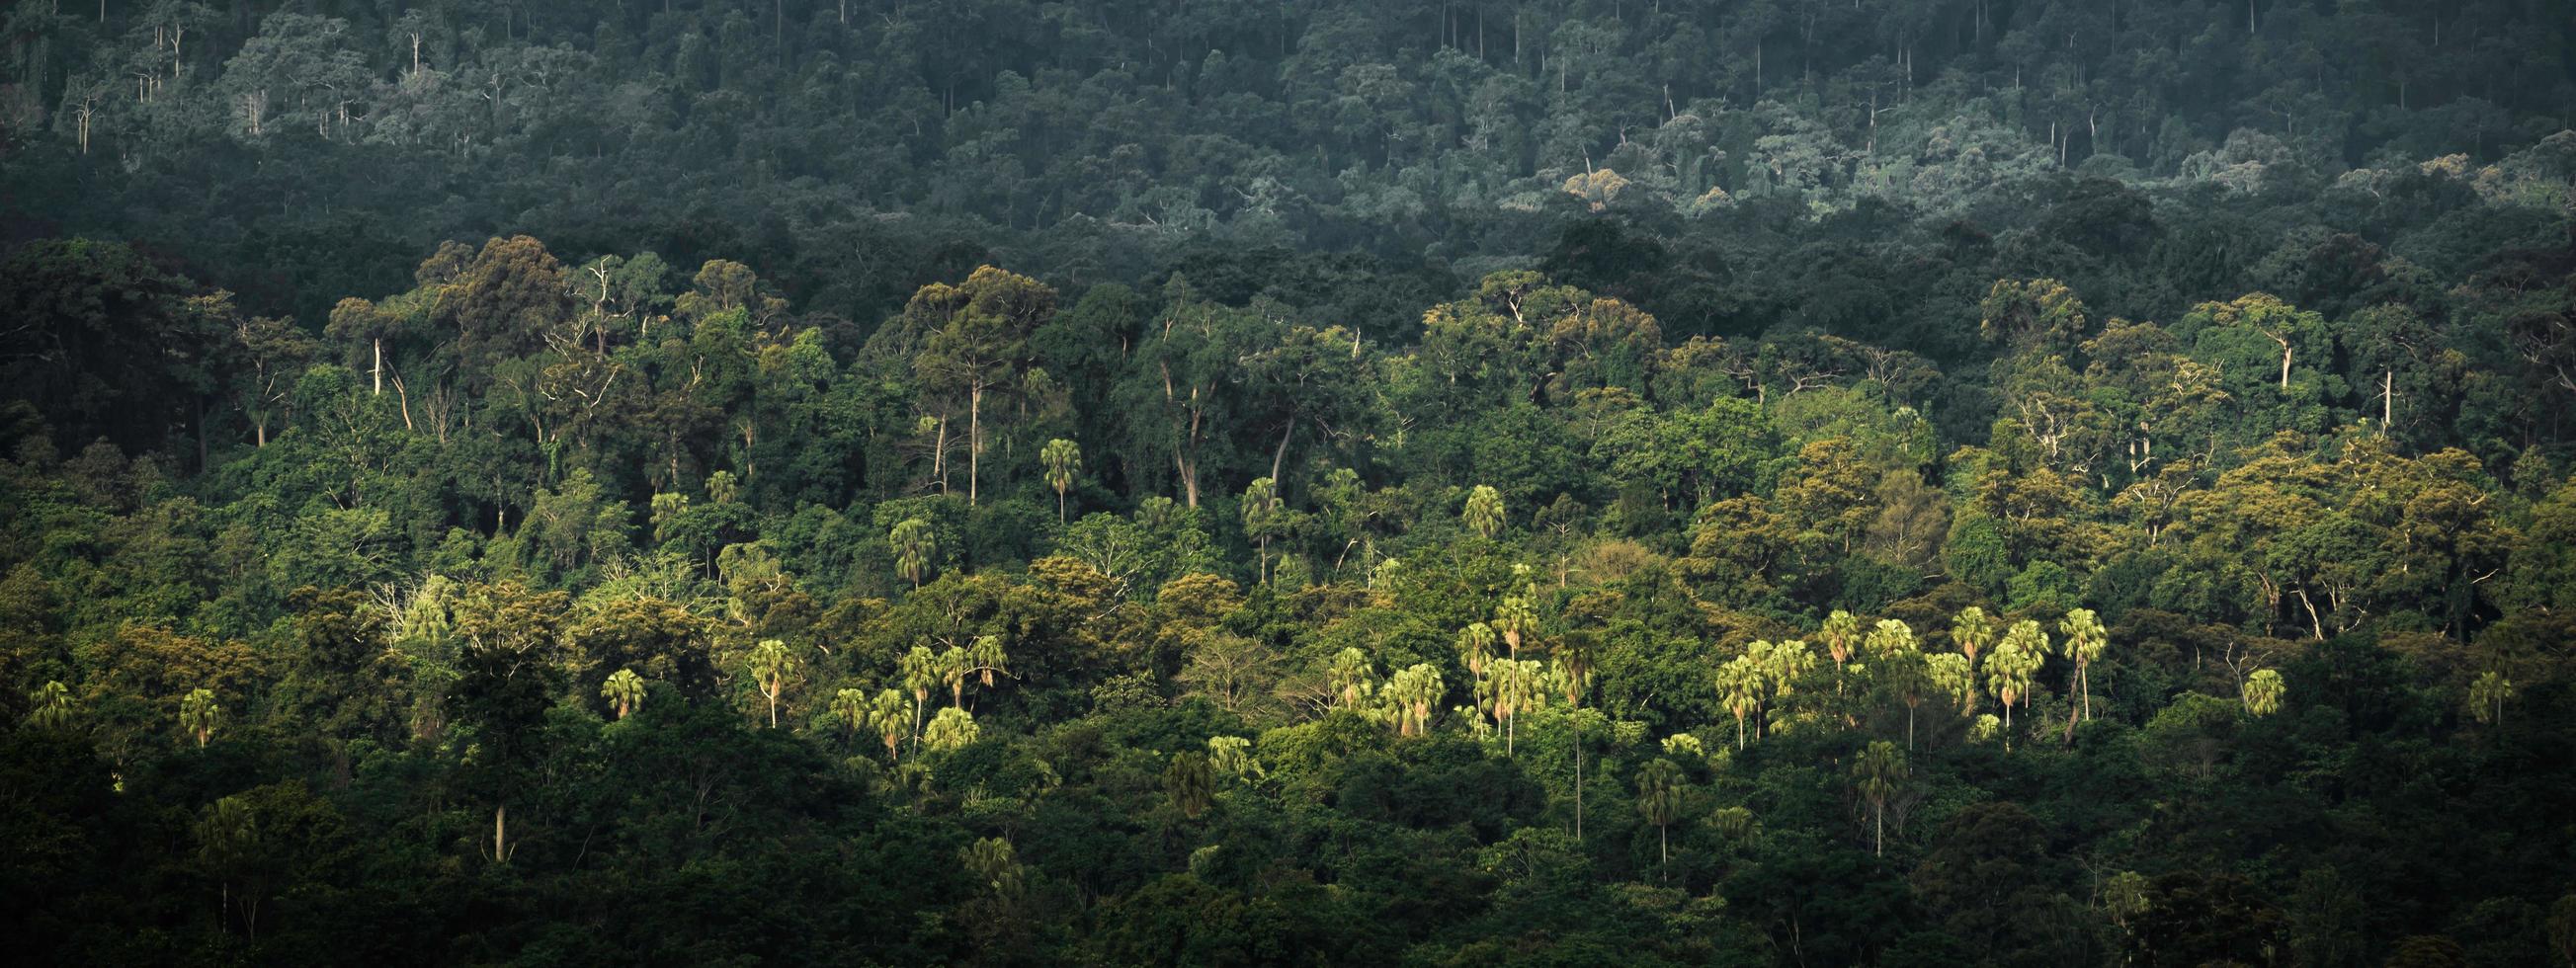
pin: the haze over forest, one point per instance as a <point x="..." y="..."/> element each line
<point x="1031" y="483"/>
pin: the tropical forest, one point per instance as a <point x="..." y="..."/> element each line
<point x="1114" y="482"/>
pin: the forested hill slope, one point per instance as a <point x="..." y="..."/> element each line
<point x="1880" y="483"/>
<point x="854" y="150"/>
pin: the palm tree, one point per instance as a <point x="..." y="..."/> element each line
<point x="1659" y="800"/>
<point x="993" y="862"/>
<point x="49" y="706"/>
<point x="199" y="715"/>
<point x="1415" y="691"/>
<point x="914" y="547"/>
<point x="2015" y="661"/>
<point x="1484" y="513"/>
<point x="2085" y="640"/>
<point x="1841" y="634"/>
<point x="1950" y="673"/>
<point x="985" y="658"/>
<point x="954" y="669"/>
<point x="952" y="729"/>
<point x="1510" y="687"/>
<point x="1739" y="687"/>
<point x="1476" y="647"/>
<point x="1891" y="638"/>
<point x="624" y="690"/>
<point x="1881" y="771"/>
<point x="850" y="709"/>
<point x="1063" y="460"/>
<point x="228" y="840"/>
<point x="2264" y="691"/>
<point x="1349" y="678"/>
<point x="892" y="714"/>
<point x="1191" y="783"/>
<point x="2487" y="696"/>
<point x="1261" y="507"/>
<point x="1574" y="655"/>
<point x="771" y="664"/>
<point x="920" y="671"/>
<point x="1515" y="620"/>
<point x="1972" y="631"/>
<point x="1232" y="756"/>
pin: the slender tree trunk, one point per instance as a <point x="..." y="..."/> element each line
<point x="380" y="366"/>
<point x="1280" y="454"/>
<point x="500" y="833"/>
<point x="1880" y="828"/>
<point x="974" y="441"/>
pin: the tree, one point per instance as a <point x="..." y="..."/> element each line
<point x="1484" y="513"/>
<point x="1511" y="687"/>
<point x="228" y="840"/>
<point x="2010" y="667"/>
<point x="624" y="691"/>
<point x="2032" y="313"/>
<point x="1190" y="782"/>
<point x="771" y="664"/>
<point x="916" y="549"/>
<point x="1515" y="621"/>
<point x="1739" y="689"/>
<point x="850" y="709"/>
<point x="1232" y="756"/>
<point x="2264" y="691"/>
<point x="919" y="669"/>
<point x="1262" y="516"/>
<point x="1414" y="693"/>
<point x="1350" y="678"/>
<point x="1063" y="461"/>
<point x="1659" y="800"/>
<point x="986" y="659"/>
<point x="2487" y="696"/>
<point x="49" y="706"/>
<point x="951" y="730"/>
<point x="894" y="716"/>
<point x="2085" y="640"/>
<point x="1880" y="773"/>
<point x="199" y="715"/>
<point x="1972" y="632"/>
<point x="994" y="865"/>
<point x="953" y="669"/>
<point x="1842" y="637"/>
<point x="1476" y="647"/>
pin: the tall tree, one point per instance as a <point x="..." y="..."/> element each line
<point x="1484" y="511"/>
<point x="1660" y="792"/>
<point x="1063" y="460"/>
<point x="1880" y="773"/>
<point x="199" y="715"/>
<point x="772" y="664"/>
<point x="624" y="691"/>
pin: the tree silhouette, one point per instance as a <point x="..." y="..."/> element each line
<point x="228" y="841"/>
<point x="994" y="865"/>
<point x="954" y="669"/>
<point x="1484" y="511"/>
<point x="1880" y="772"/>
<point x="915" y="546"/>
<point x="1659" y="800"/>
<point x="624" y="691"/>
<point x="850" y="709"/>
<point x="1063" y="460"/>
<point x="1739" y="689"/>
<point x="199" y="715"/>
<point x="1190" y="782"/>
<point x="1261" y="519"/>
<point x="2011" y="665"/>
<point x="2487" y="695"/>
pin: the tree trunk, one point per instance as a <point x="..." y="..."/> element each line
<point x="500" y="833"/>
<point x="974" y="440"/>
<point x="380" y="366"/>
<point x="1280" y="453"/>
